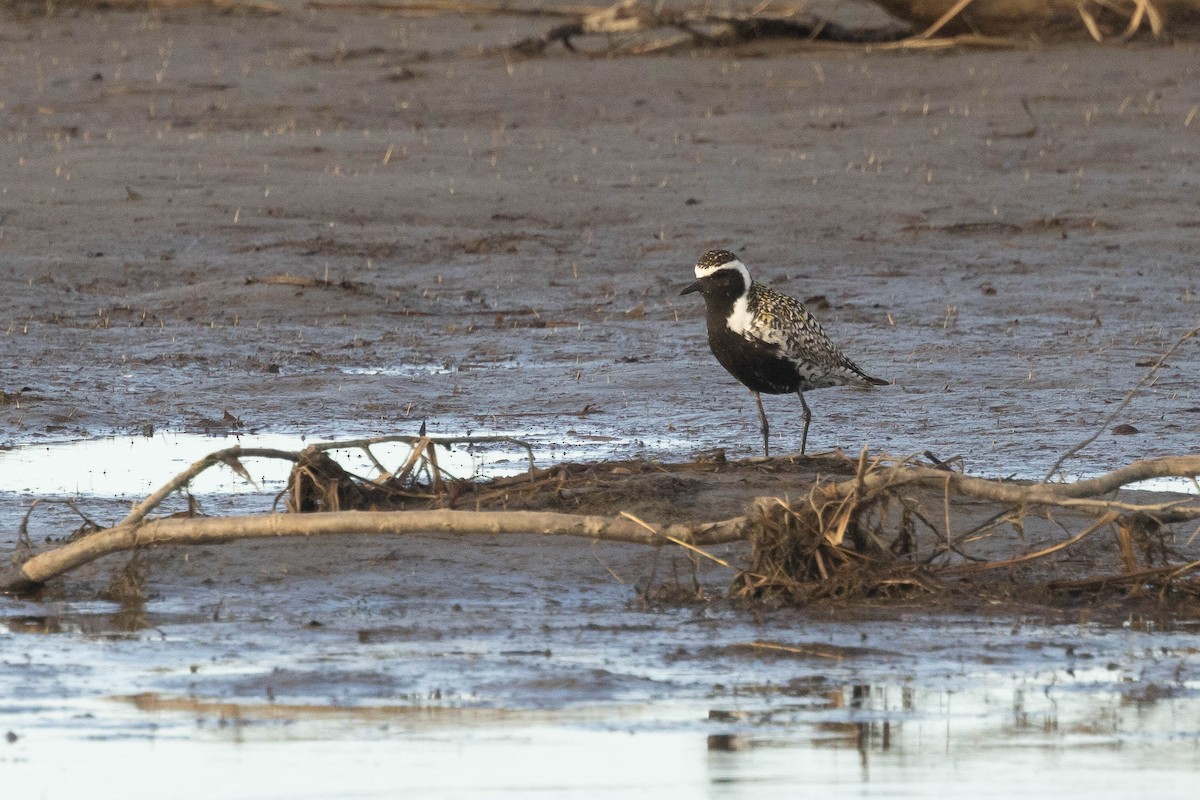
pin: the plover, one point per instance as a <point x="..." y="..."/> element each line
<point x="767" y="340"/>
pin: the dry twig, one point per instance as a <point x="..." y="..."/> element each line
<point x="1103" y="426"/>
<point x="941" y="21"/>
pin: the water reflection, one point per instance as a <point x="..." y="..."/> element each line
<point x="986" y="733"/>
<point x="992" y="734"/>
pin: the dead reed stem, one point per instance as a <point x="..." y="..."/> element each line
<point x="800" y="549"/>
<point x="1011" y="562"/>
<point x="941" y="21"/>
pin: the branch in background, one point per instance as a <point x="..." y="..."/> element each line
<point x="229" y="456"/>
<point x="1099" y="19"/>
<point x="699" y="27"/>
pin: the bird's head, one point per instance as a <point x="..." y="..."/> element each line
<point x="719" y="273"/>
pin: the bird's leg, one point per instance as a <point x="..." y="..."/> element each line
<point x="807" y="419"/>
<point x="766" y="429"/>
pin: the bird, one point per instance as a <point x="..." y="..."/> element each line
<point x="767" y="340"/>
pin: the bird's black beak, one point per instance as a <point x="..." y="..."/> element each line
<point x="692" y="287"/>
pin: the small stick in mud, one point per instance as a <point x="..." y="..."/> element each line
<point x="264" y="7"/>
<point x="1112" y="415"/>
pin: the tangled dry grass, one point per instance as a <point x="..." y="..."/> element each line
<point x="830" y="546"/>
<point x="873" y="535"/>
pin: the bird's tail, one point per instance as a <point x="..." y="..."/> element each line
<point x="857" y="376"/>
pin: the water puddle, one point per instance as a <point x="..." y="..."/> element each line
<point x="124" y="466"/>
<point x="892" y="740"/>
<point x="1176" y="485"/>
<point x="411" y="370"/>
<point x="132" y="466"/>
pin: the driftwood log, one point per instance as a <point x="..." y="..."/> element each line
<point x="214" y="530"/>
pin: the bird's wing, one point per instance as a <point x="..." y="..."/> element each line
<point x="783" y="321"/>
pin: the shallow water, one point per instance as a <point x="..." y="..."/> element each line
<point x="122" y="466"/>
<point x="665" y="704"/>
<point x="506" y="668"/>
<point x="888" y="748"/>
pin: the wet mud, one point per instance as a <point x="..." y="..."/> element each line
<point x="329" y="224"/>
<point x="498" y="246"/>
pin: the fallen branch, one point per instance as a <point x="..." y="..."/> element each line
<point x="214" y="530"/>
<point x="265" y="7"/>
<point x="1077" y="495"/>
<point x="699" y="27"/>
<point x="414" y="441"/>
<point x="1100" y="19"/>
<point x="1158" y="575"/>
<point x="422" y="447"/>
<point x="230" y="457"/>
<point x="1022" y="499"/>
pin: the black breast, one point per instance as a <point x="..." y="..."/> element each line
<point x="756" y="364"/>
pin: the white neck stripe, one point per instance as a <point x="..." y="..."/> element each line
<point x="740" y="320"/>
<point x="704" y="272"/>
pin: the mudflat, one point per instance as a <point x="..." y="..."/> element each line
<point x="336" y="223"/>
<point x="328" y="223"/>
